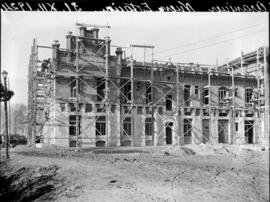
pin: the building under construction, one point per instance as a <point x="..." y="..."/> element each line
<point x="86" y="96"/>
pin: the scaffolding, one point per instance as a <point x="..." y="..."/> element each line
<point x="42" y="96"/>
<point x="257" y="103"/>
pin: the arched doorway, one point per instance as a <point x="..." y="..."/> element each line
<point x="149" y="131"/>
<point x="223" y="131"/>
<point x="169" y="133"/>
<point x="249" y="132"/>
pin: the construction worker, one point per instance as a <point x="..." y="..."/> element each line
<point x="45" y="65"/>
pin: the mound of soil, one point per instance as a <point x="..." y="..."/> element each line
<point x="28" y="183"/>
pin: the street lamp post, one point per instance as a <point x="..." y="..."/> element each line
<point x="4" y="73"/>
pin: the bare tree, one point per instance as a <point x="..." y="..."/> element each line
<point x="18" y="118"/>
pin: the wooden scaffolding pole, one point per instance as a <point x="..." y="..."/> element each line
<point x="266" y="95"/>
<point x="233" y="108"/>
<point x="209" y="101"/>
<point x="178" y="104"/>
<point x="152" y="99"/>
<point x="241" y="63"/>
<point x="107" y="89"/>
<point x="231" y="97"/>
<point x="34" y="94"/>
<point x="78" y="144"/>
<point x="258" y="92"/>
<point x="30" y="97"/>
<point x="132" y="96"/>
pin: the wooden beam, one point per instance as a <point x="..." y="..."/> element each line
<point x="141" y="46"/>
<point x="92" y="25"/>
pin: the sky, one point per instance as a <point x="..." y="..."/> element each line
<point x="205" y="38"/>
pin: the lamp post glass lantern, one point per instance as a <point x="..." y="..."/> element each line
<point x="4" y="73"/>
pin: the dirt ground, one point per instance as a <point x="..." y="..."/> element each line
<point x="188" y="173"/>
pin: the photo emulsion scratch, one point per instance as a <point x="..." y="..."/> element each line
<point x="126" y="106"/>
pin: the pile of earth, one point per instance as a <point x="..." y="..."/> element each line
<point x="28" y="183"/>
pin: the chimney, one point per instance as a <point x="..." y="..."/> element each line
<point x="69" y="41"/>
<point x="55" y="47"/>
<point x="82" y="31"/>
<point x="95" y="33"/>
<point x="109" y="45"/>
<point x="119" y="53"/>
<point x="56" y="44"/>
